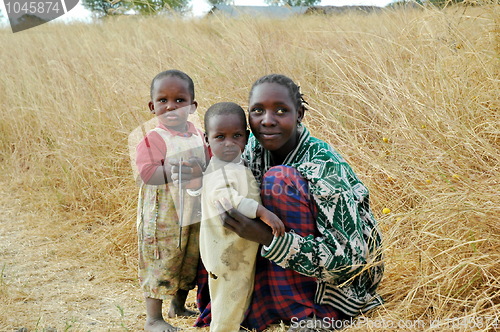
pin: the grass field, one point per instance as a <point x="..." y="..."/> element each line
<point x="411" y="98"/>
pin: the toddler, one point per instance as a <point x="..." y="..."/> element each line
<point x="229" y="259"/>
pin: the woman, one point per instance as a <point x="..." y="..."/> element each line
<point x="328" y="264"/>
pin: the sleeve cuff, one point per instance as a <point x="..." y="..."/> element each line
<point x="248" y="207"/>
<point x="193" y="193"/>
<point x="279" y="248"/>
<point x="267" y="248"/>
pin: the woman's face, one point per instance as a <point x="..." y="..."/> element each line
<point x="273" y="118"/>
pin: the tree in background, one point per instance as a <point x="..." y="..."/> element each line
<point x="293" y="3"/>
<point x="144" y="7"/>
<point x="103" y="7"/>
<point x="220" y="2"/>
<point x="148" y="7"/>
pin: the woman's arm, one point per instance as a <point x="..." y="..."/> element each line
<point x="338" y="254"/>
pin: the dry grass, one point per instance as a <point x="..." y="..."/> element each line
<point x="427" y="81"/>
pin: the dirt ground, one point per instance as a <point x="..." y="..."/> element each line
<point x="42" y="289"/>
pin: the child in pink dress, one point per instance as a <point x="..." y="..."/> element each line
<point x="167" y="271"/>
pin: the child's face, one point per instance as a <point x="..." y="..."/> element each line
<point x="273" y="117"/>
<point x="227" y="137"/>
<point x="172" y="102"/>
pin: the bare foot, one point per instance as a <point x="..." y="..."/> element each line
<point x="175" y="310"/>
<point x="178" y="305"/>
<point x="159" y="325"/>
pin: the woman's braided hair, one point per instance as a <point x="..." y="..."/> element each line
<point x="293" y="89"/>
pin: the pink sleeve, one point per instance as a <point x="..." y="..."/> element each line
<point x="151" y="152"/>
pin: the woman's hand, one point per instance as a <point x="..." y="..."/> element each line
<point x="251" y="229"/>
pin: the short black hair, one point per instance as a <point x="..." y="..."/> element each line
<point x="173" y="72"/>
<point x="225" y="108"/>
<point x="293" y="89"/>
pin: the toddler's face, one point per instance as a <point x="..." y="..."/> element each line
<point x="172" y="102"/>
<point x="227" y="137"/>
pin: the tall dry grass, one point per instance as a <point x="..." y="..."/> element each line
<point x="409" y="97"/>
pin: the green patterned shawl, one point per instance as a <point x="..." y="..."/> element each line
<point x="346" y="259"/>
